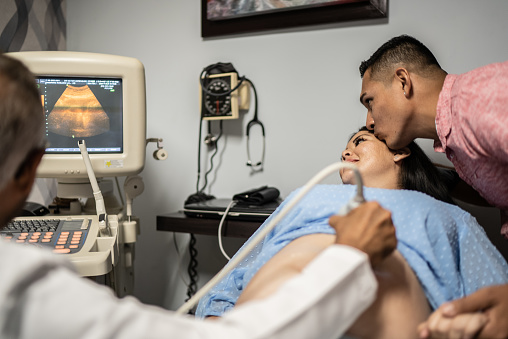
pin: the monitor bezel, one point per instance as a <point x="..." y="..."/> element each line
<point x="83" y="64"/>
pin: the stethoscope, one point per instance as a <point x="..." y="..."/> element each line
<point x="257" y="166"/>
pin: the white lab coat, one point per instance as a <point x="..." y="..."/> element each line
<point x="41" y="297"/>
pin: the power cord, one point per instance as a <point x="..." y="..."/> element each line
<point x="180" y="258"/>
<point x="216" y="145"/>
<point x="219" y="231"/>
<point x="192" y="270"/>
<point x="200" y="195"/>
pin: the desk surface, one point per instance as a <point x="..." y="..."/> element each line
<point x="179" y="222"/>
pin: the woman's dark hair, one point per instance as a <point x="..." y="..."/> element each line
<point x="418" y="173"/>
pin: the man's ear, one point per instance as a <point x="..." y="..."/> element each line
<point x="403" y="81"/>
<point x="25" y="176"/>
<point x="401" y="154"/>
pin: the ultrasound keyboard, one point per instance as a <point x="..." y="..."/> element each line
<point x="63" y="234"/>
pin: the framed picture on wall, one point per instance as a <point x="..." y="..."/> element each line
<point x="236" y="17"/>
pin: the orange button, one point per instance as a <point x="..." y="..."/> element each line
<point x="24" y="233"/>
<point x="66" y="233"/>
<point x="32" y="240"/>
<point x="36" y="233"/>
<point x="62" y="250"/>
<point x="46" y="240"/>
<point x="78" y="232"/>
<point x="73" y="246"/>
<point x="75" y="242"/>
<point x="59" y="246"/>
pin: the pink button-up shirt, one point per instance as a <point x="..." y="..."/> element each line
<point x="472" y="125"/>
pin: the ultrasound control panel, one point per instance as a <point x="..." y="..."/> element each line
<point x="63" y="234"/>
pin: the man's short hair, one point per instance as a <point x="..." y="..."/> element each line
<point x="402" y="51"/>
<point x="21" y="117"/>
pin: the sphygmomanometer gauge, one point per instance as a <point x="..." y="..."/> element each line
<point x="220" y="103"/>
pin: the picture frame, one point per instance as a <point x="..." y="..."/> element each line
<point x="277" y="19"/>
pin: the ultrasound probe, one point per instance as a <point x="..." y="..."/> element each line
<point x="248" y="247"/>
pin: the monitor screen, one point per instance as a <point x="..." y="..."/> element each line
<point x="94" y="97"/>
<point x="80" y="108"/>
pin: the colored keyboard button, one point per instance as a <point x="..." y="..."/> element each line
<point x="62" y="250"/>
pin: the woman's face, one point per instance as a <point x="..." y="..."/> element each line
<point x="379" y="166"/>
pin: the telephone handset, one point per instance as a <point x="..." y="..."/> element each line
<point x="222" y="92"/>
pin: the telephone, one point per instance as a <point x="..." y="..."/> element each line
<point x="222" y="92"/>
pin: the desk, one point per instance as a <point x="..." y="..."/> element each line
<point x="179" y="222"/>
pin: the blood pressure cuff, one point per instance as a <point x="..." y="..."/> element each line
<point x="257" y="196"/>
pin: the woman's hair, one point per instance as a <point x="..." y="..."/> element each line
<point x="418" y="173"/>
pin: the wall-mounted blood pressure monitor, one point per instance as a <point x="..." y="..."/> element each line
<point x="223" y="93"/>
<point x="217" y="100"/>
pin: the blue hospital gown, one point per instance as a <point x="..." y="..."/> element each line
<point x="444" y="245"/>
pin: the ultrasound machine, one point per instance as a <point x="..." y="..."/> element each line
<point x="98" y="100"/>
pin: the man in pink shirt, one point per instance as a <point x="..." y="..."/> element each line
<point x="409" y="96"/>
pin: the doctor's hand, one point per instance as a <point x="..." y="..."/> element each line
<point x="369" y="228"/>
<point x="492" y="301"/>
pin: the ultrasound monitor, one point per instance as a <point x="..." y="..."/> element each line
<point x="98" y="98"/>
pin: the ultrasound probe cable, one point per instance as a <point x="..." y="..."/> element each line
<point x="248" y="247"/>
<point x="97" y="194"/>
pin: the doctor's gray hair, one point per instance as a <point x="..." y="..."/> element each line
<point x="21" y="117"/>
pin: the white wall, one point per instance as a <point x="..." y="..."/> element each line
<point x="308" y="85"/>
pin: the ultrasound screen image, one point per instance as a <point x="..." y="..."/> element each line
<point x="87" y="109"/>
